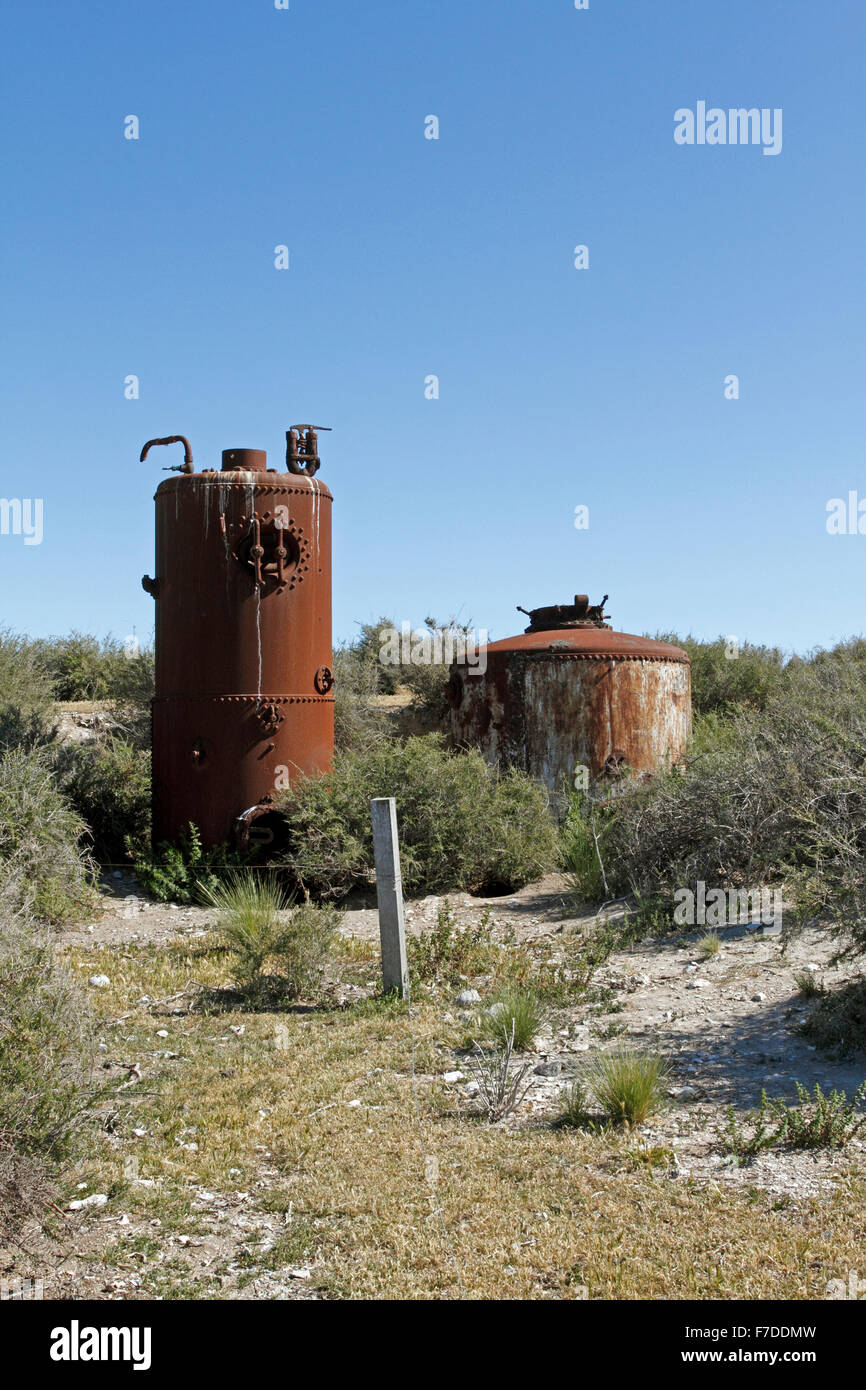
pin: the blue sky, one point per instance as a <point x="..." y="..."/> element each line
<point x="410" y="257"/>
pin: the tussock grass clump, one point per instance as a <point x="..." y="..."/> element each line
<point x="709" y="945"/>
<point x="259" y="924"/>
<point x="627" y="1086"/>
<point x="43" y="868"/>
<point x="45" y="1064"/>
<point x="463" y="825"/>
<point x="514" y="1013"/>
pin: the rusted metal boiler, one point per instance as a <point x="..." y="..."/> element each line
<point x="243" y="701"/>
<point x="570" y="694"/>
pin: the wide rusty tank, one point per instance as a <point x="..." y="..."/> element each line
<point x="570" y="694"/>
<point x="243" y="702"/>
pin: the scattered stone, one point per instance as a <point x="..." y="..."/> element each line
<point x="99" y="981"/>
<point x="162" y="1033"/>
<point x="451" y="1077"/>
<point x="468" y="996"/>
<point x="759" y="998"/>
<point x="547" y="1069"/>
<point x="96" y="1199"/>
<point x="698" y="984"/>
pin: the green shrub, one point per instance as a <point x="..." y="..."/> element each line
<point x="45" y="1064"/>
<point x="181" y="872"/>
<point x="721" y="684"/>
<point x="26" y="697"/>
<point x="462" y="825"/>
<point x="448" y="954"/>
<point x="820" y="1120"/>
<point x="43" y="868"/>
<point x="808" y="983"/>
<point x="260" y="924"/>
<point x="80" y="666"/>
<point x="585" y="832"/>
<point x="108" y="783"/>
<point x="628" y="1086"/>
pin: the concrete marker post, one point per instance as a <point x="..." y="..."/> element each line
<point x="389" y="891"/>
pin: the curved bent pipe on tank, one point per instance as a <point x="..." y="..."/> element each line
<point x="186" y="466"/>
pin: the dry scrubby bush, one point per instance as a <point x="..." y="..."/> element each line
<point x="83" y="667"/>
<point x="767" y="794"/>
<point x="108" y="784"/>
<point x="26" y="696"/>
<point x="462" y="824"/>
<point x="45" y="1066"/>
<point x="42" y="867"/>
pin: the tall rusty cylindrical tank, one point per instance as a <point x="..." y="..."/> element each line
<point x="243" y="702"/>
<point x="569" y="693"/>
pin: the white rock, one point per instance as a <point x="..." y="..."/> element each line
<point x="468" y="996"/>
<point x="452" y="1076"/>
<point x="96" y="1199"/>
<point x="99" y="981"/>
<point x="299" y="1274"/>
<point x="758" y="998"/>
<point x="162" y="1033"/>
<point x="698" y="984"/>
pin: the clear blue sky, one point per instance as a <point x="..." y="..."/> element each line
<point x="411" y="257"/>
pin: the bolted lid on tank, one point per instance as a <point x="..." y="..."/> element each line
<point x="578" y="630"/>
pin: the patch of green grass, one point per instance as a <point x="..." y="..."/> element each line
<point x="575" y="1106"/>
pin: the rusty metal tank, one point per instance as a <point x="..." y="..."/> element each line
<point x="243" y="702"/>
<point x="570" y="693"/>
